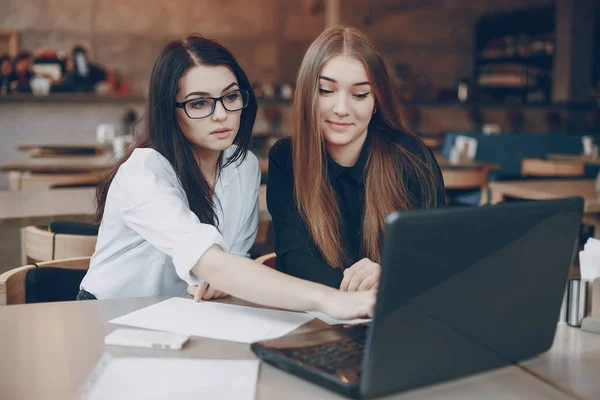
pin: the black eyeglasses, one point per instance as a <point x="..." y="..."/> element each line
<point x="203" y="107"/>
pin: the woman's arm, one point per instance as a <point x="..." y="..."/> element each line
<point x="254" y="282"/>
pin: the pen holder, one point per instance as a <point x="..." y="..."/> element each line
<point x="575" y="302"/>
<point x="591" y="323"/>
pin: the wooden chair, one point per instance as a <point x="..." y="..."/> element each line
<point x="14" y="180"/>
<point x="471" y="178"/>
<point x="265" y="237"/>
<point x="551" y="168"/>
<point x="13" y="282"/>
<point x="42" y="245"/>
<point x="264" y="234"/>
<point x="267" y="259"/>
<point x="432" y="142"/>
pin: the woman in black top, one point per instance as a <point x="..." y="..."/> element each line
<point x="349" y="163"/>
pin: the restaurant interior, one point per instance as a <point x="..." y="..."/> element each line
<point x="505" y="94"/>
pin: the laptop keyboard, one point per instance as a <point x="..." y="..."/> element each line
<point x="333" y="357"/>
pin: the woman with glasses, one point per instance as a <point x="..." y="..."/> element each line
<point x="349" y="163"/>
<point x="181" y="208"/>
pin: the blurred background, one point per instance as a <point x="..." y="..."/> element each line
<point x="487" y="84"/>
<point x="520" y="64"/>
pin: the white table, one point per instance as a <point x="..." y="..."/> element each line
<point x="573" y="363"/>
<point x="48" y="350"/>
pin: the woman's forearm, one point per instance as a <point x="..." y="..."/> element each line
<point x="248" y="280"/>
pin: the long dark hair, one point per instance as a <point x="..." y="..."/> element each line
<point x="388" y="159"/>
<point x="161" y="131"/>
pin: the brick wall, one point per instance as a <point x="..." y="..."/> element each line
<point x="435" y="37"/>
<point x="127" y="35"/>
<point x="268" y="36"/>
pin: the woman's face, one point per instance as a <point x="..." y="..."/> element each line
<point x="346" y="102"/>
<point x="215" y="132"/>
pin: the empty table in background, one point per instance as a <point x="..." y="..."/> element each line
<point x="575" y="157"/>
<point x="551" y="190"/>
<point x="22" y="208"/>
<point x="62" y="164"/>
<point x="64" y="149"/>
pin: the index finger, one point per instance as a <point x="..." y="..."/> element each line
<point x="200" y="291"/>
<point x="346" y="281"/>
<point x="191" y="289"/>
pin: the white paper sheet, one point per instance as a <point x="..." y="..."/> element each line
<point x="334" y="321"/>
<point x="171" y="378"/>
<point x="215" y="320"/>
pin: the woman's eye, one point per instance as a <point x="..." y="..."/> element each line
<point x="199" y="103"/>
<point x="232" y="97"/>
<point x="325" y="91"/>
<point x="361" y="95"/>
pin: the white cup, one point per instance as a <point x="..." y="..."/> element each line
<point x="455" y="155"/>
<point x="40" y="86"/>
<point x="286" y="91"/>
<point x="105" y="133"/>
<point x="588" y="145"/>
<point x="491" y="129"/>
<point x="120" y="144"/>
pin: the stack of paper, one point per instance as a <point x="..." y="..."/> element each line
<point x="215" y="320"/>
<point x="171" y="378"/>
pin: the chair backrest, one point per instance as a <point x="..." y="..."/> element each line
<point x="551" y="168"/>
<point x="267" y="259"/>
<point x="264" y="242"/>
<point x="13" y="282"/>
<point x="14" y="180"/>
<point x="432" y="142"/>
<point x="43" y="245"/>
<point x="471" y="178"/>
<point x="262" y="197"/>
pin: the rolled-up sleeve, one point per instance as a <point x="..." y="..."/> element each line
<point x="153" y="205"/>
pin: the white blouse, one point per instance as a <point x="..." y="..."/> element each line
<point x="149" y="239"/>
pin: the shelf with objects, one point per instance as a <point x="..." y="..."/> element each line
<point x="71" y="98"/>
<point x="514" y="56"/>
<point x="48" y="75"/>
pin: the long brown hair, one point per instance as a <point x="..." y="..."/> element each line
<point x="161" y="131"/>
<point x="388" y="161"/>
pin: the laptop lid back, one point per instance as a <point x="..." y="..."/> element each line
<point x="465" y="290"/>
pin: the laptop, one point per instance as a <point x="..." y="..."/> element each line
<point x="462" y="290"/>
